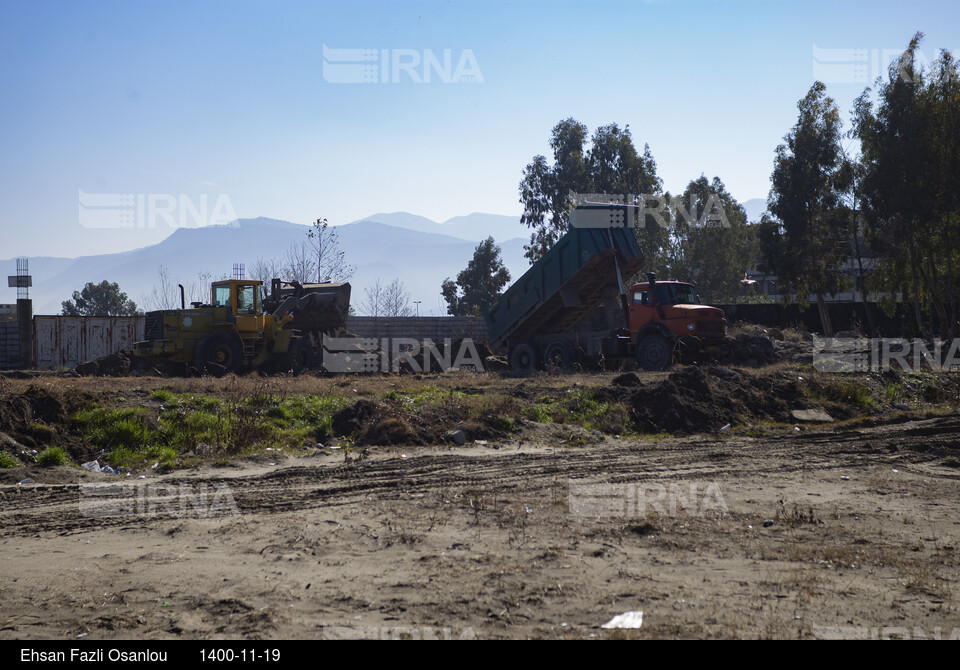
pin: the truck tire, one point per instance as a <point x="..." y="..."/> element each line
<point x="217" y="355"/>
<point x="523" y="358"/>
<point x="655" y="353"/>
<point x="299" y="356"/>
<point x="559" y="356"/>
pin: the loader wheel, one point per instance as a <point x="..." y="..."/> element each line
<point x="217" y="355"/>
<point x="654" y="353"/>
<point x="299" y="356"/>
<point x="523" y="359"/>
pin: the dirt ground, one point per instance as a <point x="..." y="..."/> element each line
<point x="779" y="530"/>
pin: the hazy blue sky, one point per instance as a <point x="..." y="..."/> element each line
<point x="230" y="107"/>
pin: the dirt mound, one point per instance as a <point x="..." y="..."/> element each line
<point x="695" y="399"/>
<point x="38" y="417"/>
<point x="748" y="350"/>
<point x="122" y="364"/>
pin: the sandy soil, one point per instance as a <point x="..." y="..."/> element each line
<point x="810" y="533"/>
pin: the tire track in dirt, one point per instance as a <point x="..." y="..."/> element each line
<point x="56" y="509"/>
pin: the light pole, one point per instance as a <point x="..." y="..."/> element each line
<point x="417" y="303"/>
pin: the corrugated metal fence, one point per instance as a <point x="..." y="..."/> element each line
<point x="67" y="341"/>
<point x="9" y="345"/>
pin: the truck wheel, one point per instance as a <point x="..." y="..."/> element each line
<point x="523" y="359"/>
<point x="299" y="356"/>
<point x="559" y="356"/>
<point x="654" y="353"/>
<point x="217" y="355"/>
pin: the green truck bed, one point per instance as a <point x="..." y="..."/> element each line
<point x="565" y="285"/>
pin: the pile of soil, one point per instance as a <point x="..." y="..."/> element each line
<point x="123" y="364"/>
<point x="386" y="422"/>
<point x="695" y="399"/>
<point x="748" y="350"/>
<point x="36" y="418"/>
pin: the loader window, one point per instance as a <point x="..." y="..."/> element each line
<point x="245" y="299"/>
<point x="221" y="296"/>
<point x="640" y="298"/>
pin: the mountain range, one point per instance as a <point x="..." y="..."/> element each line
<point x="418" y="251"/>
<point x="386" y="246"/>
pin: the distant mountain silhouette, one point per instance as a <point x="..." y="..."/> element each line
<point x="420" y="252"/>
<point x="755" y="208"/>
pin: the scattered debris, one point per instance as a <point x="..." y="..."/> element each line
<point x="811" y="416"/>
<point x="633" y="619"/>
<point x="456" y="436"/>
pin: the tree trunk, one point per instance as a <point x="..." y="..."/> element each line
<point x="824" y="316"/>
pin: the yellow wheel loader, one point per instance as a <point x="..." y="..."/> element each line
<point x="242" y="327"/>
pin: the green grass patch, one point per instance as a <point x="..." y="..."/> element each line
<point x="429" y="395"/>
<point x="8" y="461"/>
<point x="53" y="456"/>
<point x="161" y="395"/>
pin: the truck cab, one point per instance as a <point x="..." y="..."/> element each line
<point x="666" y="315"/>
<point x="677" y="307"/>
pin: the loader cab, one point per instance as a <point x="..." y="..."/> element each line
<point x="242" y="298"/>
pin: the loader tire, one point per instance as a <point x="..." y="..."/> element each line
<point x="299" y="356"/>
<point x="217" y="355"/>
<point x="655" y="353"/>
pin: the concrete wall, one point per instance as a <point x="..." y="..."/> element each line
<point x="844" y="316"/>
<point x="435" y="328"/>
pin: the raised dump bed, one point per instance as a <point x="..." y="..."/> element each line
<point x="565" y="285"/>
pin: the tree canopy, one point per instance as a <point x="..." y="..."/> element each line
<point x="103" y="299"/>
<point x="807" y="238"/>
<point x="611" y="165"/>
<point x="479" y="285"/>
<point x="910" y="166"/>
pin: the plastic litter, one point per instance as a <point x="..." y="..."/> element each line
<point x="726" y="427"/>
<point x="633" y="619"/>
<point x="93" y="466"/>
<point x="107" y="470"/>
<point x="25" y="481"/>
<point x="845" y="478"/>
<point x="767" y="523"/>
<point x="457" y="436"/>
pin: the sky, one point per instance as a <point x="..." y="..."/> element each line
<point x="120" y="121"/>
